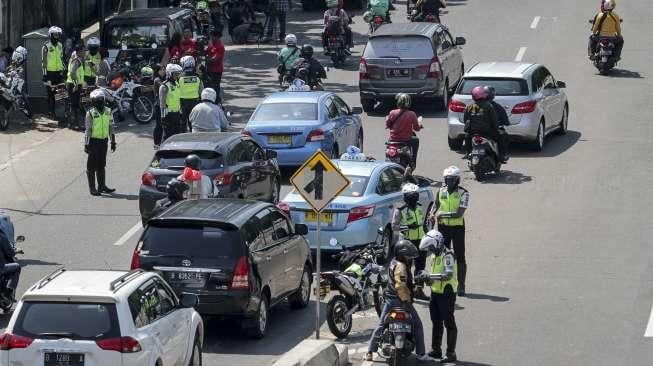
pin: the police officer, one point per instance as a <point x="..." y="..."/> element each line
<point x="74" y="83"/>
<point x="448" y="212"/>
<point x="99" y="128"/>
<point x="170" y="102"/>
<point x="412" y="216"/>
<point x="52" y="61"/>
<point x="442" y="277"/>
<point x="92" y="60"/>
<point x="191" y="88"/>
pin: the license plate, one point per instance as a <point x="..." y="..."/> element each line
<point x="63" y="359"/>
<point x="187" y="279"/>
<point x="397" y="73"/>
<point x="400" y="327"/>
<point x="279" y="139"/>
<point x="605" y="52"/>
<point x="324" y="217"/>
<point x="324" y="290"/>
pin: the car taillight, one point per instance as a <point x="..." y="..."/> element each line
<point x="223" y="179"/>
<point x="315" y="135"/>
<point x="10" y="341"/>
<point x="378" y="20"/>
<point x="391" y="152"/>
<point x="456" y="106"/>
<point x="525" y="107"/>
<point x="605" y="42"/>
<point x="434" y="68"/>
<point x="240" y="281"/>
<point x="362" y="69"/>
<point x="360" y="212"/>
<point x="398" y="315"/>
<point x="244" y="132"/>
<point x="136" y="257"/>
<point x="147" y="179"/>
<point x="122" y="344"/>
<point x="478" y="139"/>
<point x="284" y="207"/>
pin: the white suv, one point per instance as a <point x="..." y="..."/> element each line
<point x="112" y="318"/>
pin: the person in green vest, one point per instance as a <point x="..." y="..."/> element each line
<point x="74" y="84"/>
<point x="99" y="128"/>
<point x="92" y="60"/>
<point x="52" y="61"/>
<point x="412" y="216"/>
<point x="170" y="102"/>
<point x="448" y="211"/>
<point x="190" y="86"/>
<point x="442" y="271"/>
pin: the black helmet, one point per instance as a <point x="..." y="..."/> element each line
<point x="176" y="189"/>
<point x="307" y="51"/>
<point x="490" y="92"/>
<point x="193" y="161"/>
<point x="405" y="250"/>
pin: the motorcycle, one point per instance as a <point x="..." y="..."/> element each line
<point x="604" y="59"/>
<point x="12" y="97"/>
<point x="128" y="98"/>
<point x="425" y="18"/>
<point x="397" y="341"/>
<point x="360" y="286"/>
<point x="335" y="41"/>
<point x="399" y="152"/>
<point x="484" y="157"/>
<point x="7" y="299"/>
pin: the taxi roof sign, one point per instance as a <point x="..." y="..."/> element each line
<point x="319" y="181"/>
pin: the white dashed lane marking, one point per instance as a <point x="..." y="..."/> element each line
<point x="649" y="327"/>
<point x="536" y="20"/>
<point x="520" y="54"/>
<point x="123" y="239"/>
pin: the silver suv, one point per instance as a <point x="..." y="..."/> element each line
<point x="421" y="59"/>
<point x="534" y="100"/>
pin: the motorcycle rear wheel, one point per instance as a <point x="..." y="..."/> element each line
<point x="143" y="109"/>
<point x="338" y="324"/>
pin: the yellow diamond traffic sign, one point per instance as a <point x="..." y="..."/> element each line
<point x="319" y="181"/>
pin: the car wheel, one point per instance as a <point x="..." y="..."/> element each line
<point x="261" y="320"/>
<point x="455" y="144"/>
<point x="300" y="298"/>
<point x="276" y="188"/>
<point x="359" y="142"/>
<point x="564" y="123"/>
<point x="368" y="105"/>
<point x="443" y="101"/>
<point x="538" y="143"/>
<point x="196" y="356"/>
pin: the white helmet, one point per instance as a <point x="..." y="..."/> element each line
<point x="608" y="5"/>
<point x="93" y="42"/>
<point x="209" y="94"/>
<point x="291" y="40"/>
<point x="409" y="188"/>
<point x="187" y="62"/>
<point x="19" y="55"/>
<point x="353" y="153"/>
<point x="172" y="69"/>
<point x="97" y="94"/>
<point x="452" y="171"/>
<point x="433" y="241"/>
<point x="54" y="30"/>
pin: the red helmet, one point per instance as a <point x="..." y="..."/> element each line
<point x="479" y="93"/>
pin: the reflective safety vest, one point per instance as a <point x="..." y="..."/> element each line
<point x="100" y="128"/>
<point x="450" y="203"/>
<point x="54" y="61"/>
<point x="91" y="63"/>
<point x="173" y="102"/>
<point x="190" y="87"/>
<point x="440" y="262"/>
<point x="356" y="269"/>
<point x="411" y="217"/>
<point x="79" y="73"/>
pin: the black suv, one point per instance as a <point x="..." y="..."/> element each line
<point x="237" y="165"/>
<point x="240" y="257"/>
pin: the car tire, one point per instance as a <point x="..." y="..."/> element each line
<point x="260" y="328"/>
<point x="196" y="356"/>
<point x="443" y="101"/>
<point x="302" y="296"/>
<point x="538" y="143"/>
<point x="564" y="122"/>
<point x="368" y="105"/>
<point x="275" y="191"/>
<point x="455" y="144"/>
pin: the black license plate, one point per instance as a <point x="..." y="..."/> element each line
<point x="63" y="359"/>
<point x="397" y="73"/>
<point x="187" y="279"/>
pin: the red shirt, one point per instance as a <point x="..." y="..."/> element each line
<point x="401" y="129"/>
<point x="215" y="53"/>
<point x="188" y="47"/>
<point x="175" y="52"/>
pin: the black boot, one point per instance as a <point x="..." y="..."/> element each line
<point x="450" y="357"/>
<point x="102" y="188"/>
<point x="91" y="183"/>
<point x="436" y="345"/>
<point x="462" y="274"/>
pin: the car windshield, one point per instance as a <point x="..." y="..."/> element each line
<point x="502" y="86"/>
<point x="356" y="187"/>
<point x="69" y="320"/>
<point x="404" y="47"/>
<point x="174" y="159"/>
<point x="191" y="241"/>
<point x="270" y="112"/>
<point x="138" y="35"/>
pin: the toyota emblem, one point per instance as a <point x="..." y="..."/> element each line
<point x="186" y="263"/>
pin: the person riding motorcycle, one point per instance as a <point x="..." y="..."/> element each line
<point x="341" y="26"/>
<point x="480" y="118"/>
<point x="200" y="185"/>
<point x="287" y="56"/>
<point x="176" y="190"/>
<point x="315" y="69"/>
<point x="8" y="254"/>
<point x="299" y="84"/>
<point x="379" y="8"/>
<point x="502" y="116"/>
<point x="402" y="123"/>
<point x="423" y="8"/>
<point x="399" y="293"/>
<point x="607" y="24"/>
<point x="207" y="116"/>
<point x="92" y="60"/>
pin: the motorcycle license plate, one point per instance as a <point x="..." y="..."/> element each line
<point x="63" y="359"/>
<point x="279" y="139"/>
<point x="400" y="327"/>
<point x="397" y="73"/>
<point x="605" y="53"/>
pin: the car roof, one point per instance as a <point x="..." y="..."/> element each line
<point x="222" y="210"/>
<point x="296" y="97"/>
<point x="84" y="286"/>
<point x="501" y="69"/>
<point x="359" y="168"/>
<point x="407" y="29"/>
<point x="199" y="140"/>
<point x="149" y="13"/>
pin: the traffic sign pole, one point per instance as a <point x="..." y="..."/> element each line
<point x="317" y="281"/>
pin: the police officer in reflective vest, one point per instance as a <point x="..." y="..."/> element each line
<point x="74" y="83"/>
<point x="92" y="60"/>
<point x="191" y="87"/>
<point x="52" y="60"/>
<point x="412" y="216"/>
<point x="449" y="211"/>
<point x="442" y="271"/>
<point x="169" y="101"/>
<point x="99" y="128"/>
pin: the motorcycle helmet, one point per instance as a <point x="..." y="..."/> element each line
<point x="291" y="40"/>
<point x="452" y="177"/>
<point x="367" y="16"/>
<point x="193" y="161"/>
<point x="403" y="100"/>
<point x="19" y="55"/>
<point x="491" y="92"/>
<point x="433" y="241"/>
<point x="173" y="70"/>
<point x="209" y="94"/>
<point x="54" y="33"/>
<point x="93" y="45"/>
<point x="187" y="63"/>
<point x="405" y="251"/>
<point x="608" y="5"/>
<point x="479" y="93"/>
<point x="98" y="99"/>
<point x="147" y="72"/>
<point x="307" y="51"/>
<point x="176" y="189"/>
<point x="411" y="193"/>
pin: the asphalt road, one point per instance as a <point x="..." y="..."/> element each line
<point x="558" y="246"/>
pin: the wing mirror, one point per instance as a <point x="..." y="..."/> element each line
<point x="188" y="300"/>
<point x="301" y="229"/>
<point x="271" y="154"/>
<point x="561" y="84"/>
<point x="460" y="41"/>
<point x="357" y="110"/>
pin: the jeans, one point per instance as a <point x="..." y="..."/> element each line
<point x="418" y="330"/>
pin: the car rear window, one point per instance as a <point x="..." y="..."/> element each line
<point x="502" y="86"/>
<point x="171" y="159"/>
<point x="141" y="35"/>
<point x="87" y="321"/>
<point x="271" y="112"/>
<point x="197" y="241"/>
<point x="399" y="46"/>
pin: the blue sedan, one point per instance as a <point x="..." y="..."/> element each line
<point x="354" y="217"/>
<point x="296" y="124"/>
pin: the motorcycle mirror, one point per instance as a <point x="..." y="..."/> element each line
<point x="333" y="242"/>
<point x="20" y="238"/>
<point x="154" y="46"/>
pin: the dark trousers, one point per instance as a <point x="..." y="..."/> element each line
<point x="187" y="105"/>
<point x="419" y="262"/>
<point x="414" y="146"/>
<point x="54" y="77"/>
<point x="75" y="96"/>
<point x="157" y="134"/>
<point x="504" y="145"/>
<point x="441" y="310"/>
<point x="97" y="154"/>
<point x="171" y="124"/>
<point x="272" y="19"/>
<point x="215" y="78"/>
<point x="456" y="235"/>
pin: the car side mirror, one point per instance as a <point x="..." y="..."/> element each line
<point x="188" y="300"/>
<point x="301" y="229"/>
<point x="20" y="238"/>
<point x="271" y="154"/>
<point x="561" y="84"/>
<point x="357" y="110"/>
<point x="460" y="41"/>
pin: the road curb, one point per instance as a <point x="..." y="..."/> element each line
<point x="312" y="352"/>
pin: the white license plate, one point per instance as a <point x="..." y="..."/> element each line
<point x="400" y="327"/>
<point x="187" y="279"/>
<point x="605" y="53"/>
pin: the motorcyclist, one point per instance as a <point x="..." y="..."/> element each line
<point x="443" y="272"/>
<point x="402" y="123"/>
<point x="429" y="7"/>
<point x="315" y="69"/>
<point x="299" y="83"/>
<point x="200" y="185"/>
<point x="53" y="67"/>
<point x="399" y="293"/>
<point x="74" y="84"/>
<point x="379" y="8"/>
<point x="15" y="73"/>
<point x="287" y="56"/>
<point x="480" y="117"/>
<point x="338" y="27"/>
<point x="606" y="24"/>
<point x="8" y="254"/>
<point x="190" y="86"/>
<point x="92" y="60"/>
<point x="176" y="190"/>
<point x="207" y="116"/>
<point x="502" y="116"/>
<point x="170" y="101"/>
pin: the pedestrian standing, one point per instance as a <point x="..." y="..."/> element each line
<point x="190" y="86"/>
<point x="52" y="61"/>
<point x="99" y="128"/>
<point x="448" y="211"/>
<point x="74" y="84"/>
<point x="159" y="79"/>
<point x="277" y="12"/>
<point x="170" y="101"/>
<point x="215" y="63"/>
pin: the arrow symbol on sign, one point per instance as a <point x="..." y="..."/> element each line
<point x="316" y="183"/>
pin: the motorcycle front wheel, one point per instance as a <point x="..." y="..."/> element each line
<point x="379" y="300"/>
<point x="143" y="109"/>
<point x="339" y="323"/>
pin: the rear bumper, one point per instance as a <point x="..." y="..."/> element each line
<point x="524" y="131"/>
<point x="356" y="234"/>
<point x="298" y="155"/>
<point x="432" y="89"/>
<point x="228" y="304"/>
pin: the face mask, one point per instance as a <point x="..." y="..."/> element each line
<point x="411" y="200"/>
<point x="452" y="184"/>
<point x="54" y="40"/>
<point x="92" y="51"/>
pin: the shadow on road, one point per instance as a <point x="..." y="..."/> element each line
<point x="507" y="177"/>
<point x="487" y="297"/>
<point x="122" y="196"/>
<point x="36" y="262"/>
<point x="626" y="74"/>
<point x="554" y="145"/>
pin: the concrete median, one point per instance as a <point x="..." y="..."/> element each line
<point x="312" y="352"/>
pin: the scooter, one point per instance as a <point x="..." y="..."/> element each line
<point x="127" y="98"/>
<point x="484" y="157"/>
<point x="397" y="341"/>
<point x="12" y="97"/>
<point x="399" y="152"/>
<point x="604" y="59"/>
